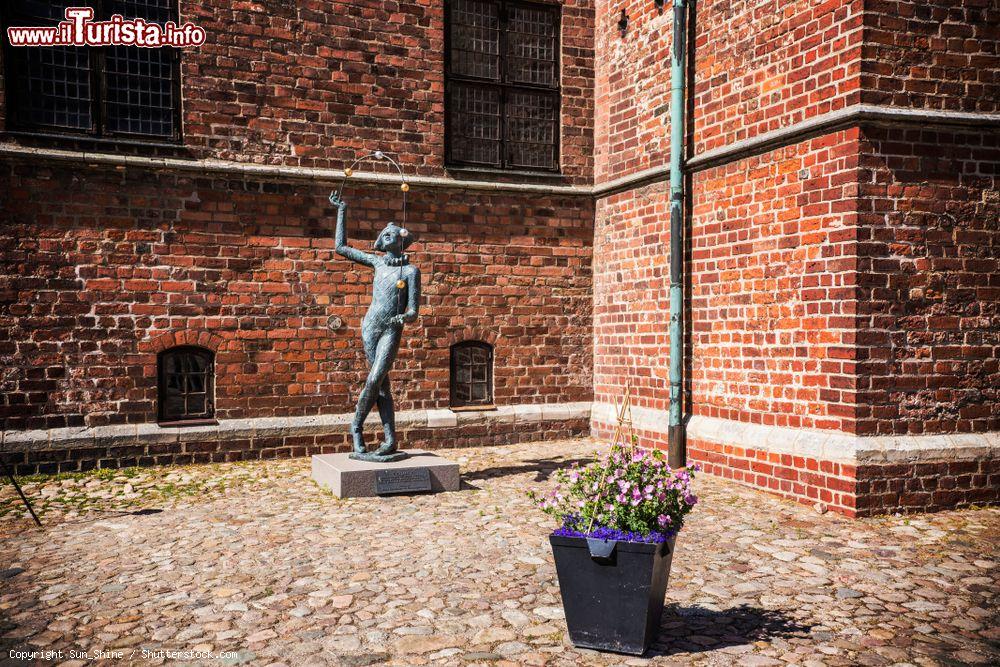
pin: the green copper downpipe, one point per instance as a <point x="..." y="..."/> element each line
<point x="677" y="449"/>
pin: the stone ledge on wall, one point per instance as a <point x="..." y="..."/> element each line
<point x="832" y="446"/>
<point x="277" y="427"/>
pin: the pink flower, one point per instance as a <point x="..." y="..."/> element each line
<point x="663" y="520"/>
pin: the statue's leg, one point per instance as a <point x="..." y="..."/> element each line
<point x="370" y="337"/>
<point x="385" y="354"/>
<point x="387" y="413"/>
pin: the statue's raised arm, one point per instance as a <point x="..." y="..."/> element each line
<point x="343" y="249"/>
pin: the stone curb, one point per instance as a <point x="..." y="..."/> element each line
<point x="833" y="446"/>
<point x="275" y="427"/>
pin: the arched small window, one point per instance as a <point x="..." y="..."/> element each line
<point x="186" y="384"/>
<point x="471" y="373"/>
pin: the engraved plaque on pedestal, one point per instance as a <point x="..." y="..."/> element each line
<point x="402" y="480"/>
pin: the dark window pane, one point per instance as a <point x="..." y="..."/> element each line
<point x="196" y="383"/>
<point x="51" y="83"/>
<point x="196" y="405"/>
<point x="140" y="91"/>
<point x="475" y="39"/>
<point x="479" y="392"/>
<point x="97" y="90"/>
<point x="532" y="123"/>
<point x="472" y="373"/>
<point x="475" y="124"/>
<point x="503" y="84"/>
<point x="531" y="45"/>
<point x="186" y="378"/>
<point x="139" y="82"/>
<point x="173" y="405"/>
<point x="157" y="11"/>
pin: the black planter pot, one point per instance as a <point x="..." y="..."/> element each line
<point x="612" y="592"/>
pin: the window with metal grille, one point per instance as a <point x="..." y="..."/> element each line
<point x="186" y="379"/>
<point x="471" y="373"/>
<point x="108" y="91"/>
<point x="502" y="71"/>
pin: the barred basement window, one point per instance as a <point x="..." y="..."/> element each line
<point x="108" y="91"/>
<point x="471" y="373"/>
<point x="186" y="384"/>
<point x="502" y="79"/>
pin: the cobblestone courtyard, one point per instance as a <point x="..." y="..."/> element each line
<point x="254" y="559"/>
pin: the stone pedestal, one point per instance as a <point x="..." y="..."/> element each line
<point x="350" y="478"/>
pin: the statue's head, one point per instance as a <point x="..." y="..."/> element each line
<point x="393" y="239"/>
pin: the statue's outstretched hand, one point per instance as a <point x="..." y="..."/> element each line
<point x="337" y="201"/>
<point x="397" y="320"/>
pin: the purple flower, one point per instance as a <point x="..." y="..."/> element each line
<point x="691" y="499"/>
<point x="663" y="520"/>
<point x="604" y="533"/>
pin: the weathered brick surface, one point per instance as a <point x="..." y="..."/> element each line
<point x="761" y="66"/>
<point x="773" y="279"/>
<point x="932" y="54"/>
<point x="101" y="269"/>
<point x="320" y="83"/>
<point x="757" y="67"/>
<point x="772" y="273"/>
<point x="928" y="347"/>
<point x="923" y="487"/>
<point x="317" y="85"/>
<point x="844" y="282"/>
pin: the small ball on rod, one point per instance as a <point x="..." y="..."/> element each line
<point x="348" y="172"/>
<point x="405" y="187"/>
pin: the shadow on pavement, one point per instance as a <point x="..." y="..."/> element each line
<point x="542" y="467"/>
<point x="697" y="629"/>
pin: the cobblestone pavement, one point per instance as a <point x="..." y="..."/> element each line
<point x="255" y="560"/>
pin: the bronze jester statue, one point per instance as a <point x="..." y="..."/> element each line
<point x="395" y="301"/>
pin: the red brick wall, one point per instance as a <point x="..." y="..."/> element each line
<point x="932" y="54"/>
<point x="772" y="284"/>
<point x="845" y="282"/>
<point x="929" y="240"/>
<point x="632" y="88"/>
<point x="631" y="281"/>
<point x="318" y="84"/>
<point x="757" y="67"/>
<point x="761" y="66"/>
<point x="95" y="264"/>
<point x="775" y="331"/>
